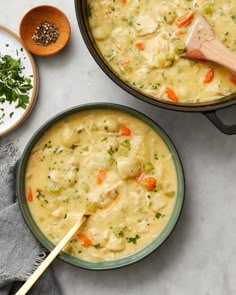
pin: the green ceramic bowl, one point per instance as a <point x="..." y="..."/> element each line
<point x="20" y="188"/>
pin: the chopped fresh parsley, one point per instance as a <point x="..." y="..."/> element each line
<point x="47" y="145"/>
<point x="133" y="240"/>
<point x="39" y="194"/>
<point x="112" y="150"/>
<point x="89" y="10"/>
<point x="159" y="215"/>
<point x="73" y="146"/>
<point x="14" y="87"/>
<point x="233" y="18"/>
<point x="121" y="233"/>
<point x="126" y="143"/>
<point x="97" y="246"/>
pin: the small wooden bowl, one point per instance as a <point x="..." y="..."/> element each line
<point x="40" y="14"/>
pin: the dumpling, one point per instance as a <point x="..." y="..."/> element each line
<point x="115" y="244"/>
<point x="145" y="25"/>
<point x="128" y="167"/>
<point x="69" y="136"/>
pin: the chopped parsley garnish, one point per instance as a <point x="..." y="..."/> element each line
<point x="97" y="246"/>
<point x="39" y="194"/>
<point x="73" y="241"/>
<point x="47" y="145"/>
<point x="112" y="150"/>
<point x="57" y="150"/>
<point x="14" y="87"/>
<point x="159" y="215"/>
<point x="233" y="18"/>
<point x="126" y="143"/>
<point x="73" y="146"/>
<point x="89" y="10"/>
<point x="121" y="233"/>
<point x="133" y="240"/>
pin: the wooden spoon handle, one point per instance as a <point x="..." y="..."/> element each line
<point x="202" y="43"/>
<point x="215" y="51"/>
<point x="43" y="266"/>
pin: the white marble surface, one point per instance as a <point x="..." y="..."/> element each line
<point x="200" y="256"/>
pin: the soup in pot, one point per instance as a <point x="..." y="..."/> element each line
<point x="110" y="164"/>
<point x="143" y="40"/>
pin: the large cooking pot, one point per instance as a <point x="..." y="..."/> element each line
<point x="209" y="109"/>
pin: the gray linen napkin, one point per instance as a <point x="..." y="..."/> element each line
<point x="20" y="253"/>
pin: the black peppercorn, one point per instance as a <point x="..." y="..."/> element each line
<point x="46" y="34"/>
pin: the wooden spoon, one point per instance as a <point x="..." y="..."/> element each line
<point x="43" y="266"/>
<point x="202" y="43"/>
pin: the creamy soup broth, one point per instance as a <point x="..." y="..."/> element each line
<point x="143" y="40"/>
<point x="110" y="164"/>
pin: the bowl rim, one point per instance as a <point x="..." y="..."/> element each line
<point x="36" y="80"/>
<point x="149" y="248"/>
<point x="55" y="9"/>
<point x="213" y="105"/>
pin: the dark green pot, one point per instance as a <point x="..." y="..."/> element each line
<point x="20" y="189"/>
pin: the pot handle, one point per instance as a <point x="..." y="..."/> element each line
<point x="226" y="129"/>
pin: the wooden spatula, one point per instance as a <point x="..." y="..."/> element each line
<point x="202" y="43"/>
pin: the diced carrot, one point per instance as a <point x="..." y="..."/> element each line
<point x="171" y="94"/>
<point x="184" y="19"/>
<point x="84" y="239"/>
<point x="125" y="62"/>
<point x="101" y="176"/>
<point x="232" y="77"/>
<point x="209" y="75"/>
<point x="140" y="177"/>
<point x="125" y="131"/>
<point x="30" y="195"/>
<point x="40" y="190"/>
<point x="140" y="45"/>
<point x="150" y="182"/>
<point x="179" y="33"/>
<point x="123" y="1"/>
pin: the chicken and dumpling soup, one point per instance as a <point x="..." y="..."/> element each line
<point x="110" y="164"/>
<point x="143" y="40"/>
